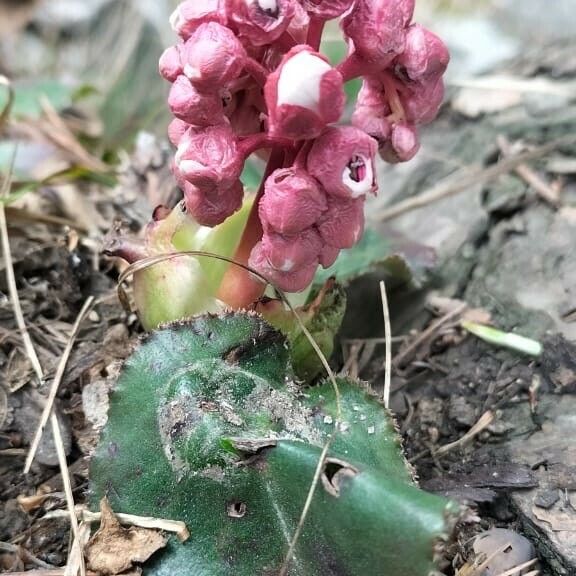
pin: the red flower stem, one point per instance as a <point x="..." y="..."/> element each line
<point x="239" y="289"/>
<point x="353" y="67"/>
<point x="257" y="71"/>
<point x="315" y="29"/>
<point x="286" y="42"/>
<point x="249" y="144"/>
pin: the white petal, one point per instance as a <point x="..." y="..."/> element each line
<point x="269" y="5"/>
<point x="299" y="82"/>
<point x="363" y="187"/>
<point x="188" y="166"/>
<point x="176" y="20"/>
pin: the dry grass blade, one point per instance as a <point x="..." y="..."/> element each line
<point x="176" y="526"/>
<point x="67" y="488"/>
<point x="406" y="354"/>
<point x="151" y="261"/>
<point x="29" y="557"/>
<point x="5" y="114"/>
<point x="469" y="177"/>
<point x="56" y="130"/>
<point x="520" y="568"/>
<point x="388" y="337"/>
<point x="56" y="383"/>
<point x="485" y="420"/>
<point x="548" y="192"/>
<point x="11" y="279"/>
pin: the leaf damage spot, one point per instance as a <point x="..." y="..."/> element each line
<point x="236" y="509"/>
<point x="335" y="473"/>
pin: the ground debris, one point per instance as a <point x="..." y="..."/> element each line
<point x="114" y="550"/>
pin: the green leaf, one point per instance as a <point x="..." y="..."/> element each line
<point x="251" y="175"/>
<point x="28" y="95"/>
<point x="371" y="252"/>
<point x="206" y="426"/>
<point x="322" y="316"/>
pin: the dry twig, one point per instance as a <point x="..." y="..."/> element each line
<point x="468" y="177"/>
<point x="550" y="193"/>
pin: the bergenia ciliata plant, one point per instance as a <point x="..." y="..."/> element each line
<point x="247" y="77"/>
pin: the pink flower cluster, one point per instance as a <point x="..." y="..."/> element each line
<point x="248" y="75"/>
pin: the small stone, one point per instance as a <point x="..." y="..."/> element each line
<point x="328" y="420"/>
<point x="489" y="545"/>
<point x="546" y="499"/>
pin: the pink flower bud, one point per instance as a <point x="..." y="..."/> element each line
<point x="425" y="55"/>
<point x="212" y="57"/>
<point x="288" y="281"/>
<point x="422" y="100"/>
<point x="170" y="66"/>
<point x="213" y="207"/>
<point x="303" y="95"/>
<point x="377" y="29"/>
<point x="191" y="13"/>
<point x="196" y="108"/>
<point x="371" y="112"/>
<point x="328" y="256"/>
<point x="176" y="130"/>
<point x="327" y="9"/>
<point x="209" y="158"/>
<point x="292" y="201"/>
<point x="342" y="225"/>
<point x="342" y="159"/>
<point x="260" y="21"/>
<point x="402" y="145"/>
<point x="290" y="253"/>
<point x="298" y="27"/>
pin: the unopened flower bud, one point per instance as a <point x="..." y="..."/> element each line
<point x="342" y="225"/>
<point x="328" y="255"/>
<point x="260" y="21"/>
<point x="170" y="65"/>
<point x="209" y="158"/>
<point x="292" y="201"/>
<point x="195" y="108"/>
<point x="425" y="55"/>
<point x="402" y="145"/>
<point x="377" y="29"/>
<point x="290" y="253"/>
<point x="214" y="206"/>
<point x="422" y="100"/>
<point x="342" y="159"/>
<point x="212" y="57"/>
<point x="295" y="281"/>
<point x="327" y="9"/>
<point x="177" y="129"/>
<point x="371" y="112"/>
<point x="192" y="13"/>
<point x="298" y="28"/>
<point x="303" y="95"/>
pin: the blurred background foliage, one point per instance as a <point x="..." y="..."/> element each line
<point x="102" y="54"/>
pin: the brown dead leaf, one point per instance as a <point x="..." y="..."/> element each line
<point x="559" y="520"/>
<point x="114" y="549"/>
